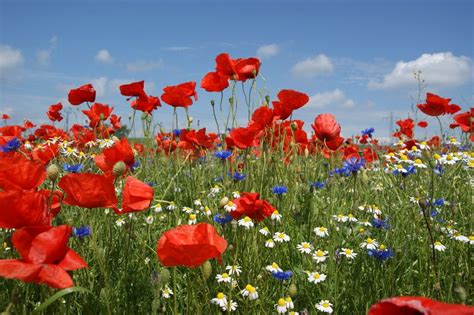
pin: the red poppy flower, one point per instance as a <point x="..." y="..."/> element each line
<point x="214" y="82"/>
<point x="370" y="155"/>
<point x="261" y="118"/>
<point x="28" y="124"/>
<point x="466" y="122"/>
<point x="436" y="105"/>
<point x="5" y="117"/>
<point x="89" y="190"/>
<point x="133" y="89"/>
<point x="192" y="139"/>
<point x="18" y="172"/>
<point x="409" y="305"/>
<point x="97" y="113"/>
<point x="251" y="205"/>
<point x="56" y="199"/>
<point x="120" y="151"/>
<point x="85" y="93"/>
<point x="146" y="103"/>
<point x="225" y="65"/>
<point x="19" y="208"/>
<point x="180" y="95"/>
<point x="422" y="124"/>
<point x="326" y="128"/>
<point x="115" y="121"/>
<point x="288" y="101"/>
<point x="46" y="258"/>
<point x="137" y="196"/>
<point x="54" y="112"/>
<point x="190" y="245"/>
<point x="406" y="128"/>
<point x="246" y="68"/>
<point x="241" y="138"/>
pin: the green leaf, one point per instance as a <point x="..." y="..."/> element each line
<point x="58" y="295"/>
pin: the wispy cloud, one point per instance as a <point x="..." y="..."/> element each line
<point x="10" y="59"/>
<point x="143" y="66"/>
<point x="43" y="56"/>
<point x="178" y="48"/>
<point x="267" y="51"/>
<point x="311" y="67"/>
<point x="335" y="98"/>
<point x="104" y="56"/>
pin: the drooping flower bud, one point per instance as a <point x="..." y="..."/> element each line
<point x="206" y="270"/>
<point x="119" y="168"/>
<point x="52" y="172"/>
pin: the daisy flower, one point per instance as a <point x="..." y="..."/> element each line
<point x="321" y="231"/>
<point x="171" y="206"/>
<point x="157" y="208"/>
<point x="230" y="306"/>
<point x="458" y="237"/>
<point x="439" y="247"/>
<point x="224" y="278"/>
<point x="192" y="219"/>
<point x="471" y="240"/>
<point x="246" y="222"/>
<point x="264" y="231"/>
<point x="269" y="243"/>
<point x="149" y="219"/>
<point x="276" y="216"/>
<point x="281" y="237"/>
<point x="236" y="194"/>
<point x="250" y="291"/>
<point x="188" y="210"/>
<point x="230" y="206"/>
<point x="320" y="256"/>
<point x="369" y="244"/>
<point x="304" y="247"/>
<point x="351" y="218"/>
<point x="273" y="268"/>
<point x="316" y="277"/>
<point x="166" y="292"/>
<point x="120" y="222"/>
<point x="324" y="306"/>
<point x="214" y="191"/>
<point x="281" y="306"/>
<point x="419" y="163"/>
<point x="220" y="299"/>
<point x="289" y="303"/>
<point x="340" y="218"/>
<point x="234" y="269"/>
<point x="207" y="211"/>
<point x="349" y="253"/>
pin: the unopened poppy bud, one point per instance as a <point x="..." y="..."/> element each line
<point x="267" y="99"/>
<point x="223" y="202"/>
<point x="231" y="100"/>
<point x="422" y="203"/>
<point x="206" y="270"/>
<point x="52" y="171"/>
<point x="294" y="126"/>
<point x="292" y="290"/>
<point x="119" y="168"/>
<point x="102" y="117"/>
<point x="165" y="275"/>
<point x="190" y="119"/>
<point x="212" y="103"/>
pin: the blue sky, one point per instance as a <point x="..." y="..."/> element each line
<point x="354" y="58"/>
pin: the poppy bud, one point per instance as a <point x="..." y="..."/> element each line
<point x="119" y="168"/>
<point x="231" y="100"/>
<point x="102" y="117"/>
<point x="292" y="290"/>
<point x="190" y="119"/>
<point x="212" y="103"/>
<point x="294" y="126"/>
<point x="223" y="202"/>
<point x="165" y="275"/>
<point x="52" y="171"/>
<point x="422" y="203"/>
<point x="206" y="270"/>
<point x="267" y="99"/>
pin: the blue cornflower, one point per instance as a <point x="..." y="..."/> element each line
<point x="368" y="131"/>
<point x="438" y="202"/>
<point x="135" y="165"/>
<point x="340" y="171"/>
<point x="11" y="145"/>
<point x="73" y="168"/>
<point x="381" y="254"/>
<point x="354" y="164"/>
<point x="282" y="275"/>
<point x="222" y="218"/>
<point x="380" y="224"/>
<point x="239" y="176"/>
<point x="82" y="231"/>
<point x="318" y="185"/>
<point x="439" y="170"/>
<point x="177" y="132"/>
<point x="223" y="154"/>
<point x="407" y="170"/>
<point x="279" y="190"/>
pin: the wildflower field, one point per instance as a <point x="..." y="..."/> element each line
<point x="266" y="217"/>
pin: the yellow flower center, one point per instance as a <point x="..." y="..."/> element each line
<point x="192" y="217"/>
<point x="436" y="156"/>
<point x="281" y="302"/>
<point x="276" y="212"/>
<point x="418" y="161"/>
<point x="320" y="253"/>
<point x="361" y="230"/>
<point x="325" y="305"/>
<point x="382" y="247"/>
<point x="305" y="245"/>
<point x="220" y="295"/>
<point x="438" y="243"/>
<point x="275" y="266"/>
<point x="348" y="251"/>
<point x="250" y="288"/>
<point x="449" y="157"/>
<point x="230" y="203"/>
<point x="225" y="275"/>
<point x="316" y="276"/>
<point x="288" y="299"/>
<point x="370" y="241"/>
<point x="247" y="219"/>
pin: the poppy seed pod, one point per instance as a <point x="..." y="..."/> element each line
<point x="165" y="276"/>
<point x="292" y="290"/>
<point x="223" y="202"/>
<point x="206" y="270"/>
<point x="119" y="168"/>
<point x="52" y="172"/>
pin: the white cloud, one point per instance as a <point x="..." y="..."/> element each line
<point x="43" y="56"/>
<point x="100" y="86"/>
<point x="312" y="67"/>
<point x="9" y="58"/>
<point x="104" y="55"/>
<point x="267" y="51"/>
<point x="143" y="66"/>
<point x="334" y="98"/>
<point x="439" y="69"/>
<point x="177" y="48"/>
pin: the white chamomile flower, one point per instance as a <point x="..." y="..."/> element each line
<point x="220" y="299"/>
<point x="149" y="219"/>
<point x="197" y="203"/>
<point x="171" y="206"/>
<point x="320" y="256"/>
<point x="349" y="253"/>
<point x="120" y="222"/>
<point x="321" y="231"/>
<point x="235" y="194"/>
<point x="264" y="231"/>
<point x="147" y="260"/>
<point x="316" y="277"/>
<point x="471" y="239"/>
<point x="273" y="268"/>
<point x="224" y="278"/>
<point x="192" y="219"/>
<point x="340" y="218"/>
<point x="234" y="269"/>
<point x="246" y="222"/>
<point x="324" y="306"/>
<point x="281" y="237"/>
<point x="250" y="291"/>
<point x="188" y="210"/>
<point x="351" y="218"/>
<point x="439" y="247"/>
<point x="157" y="208"/>
<point x="304" y="247"/>
<point x="281" y="306"/>
<point x="419" y="163"/>
<point x="166" y="292"/>
<point x="230" y="306"/>
<point x="369" y="244"/>
<point x="458" y="237"/>
<point x="269" y="243"/>
<point x="276" y="216"/>
<point x="207" y="211"/>
<point x="214" y="191"/>
<point x="289" y="303"/>
<point x="230" y="206"/>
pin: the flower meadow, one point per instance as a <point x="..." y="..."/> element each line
<point x="266" y="217"/>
